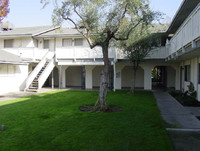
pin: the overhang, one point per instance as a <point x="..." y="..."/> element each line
<point x="183" y="12"/>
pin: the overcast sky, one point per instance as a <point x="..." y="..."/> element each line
<point x="26" y="13"/>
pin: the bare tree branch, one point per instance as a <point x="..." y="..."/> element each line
<point x="120" y="21"/>
<point x="128" y="34"/>
<point x="88" y="38"/>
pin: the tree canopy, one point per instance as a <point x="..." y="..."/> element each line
<point x="4" y="9"/>
<point x="100" y="22"/>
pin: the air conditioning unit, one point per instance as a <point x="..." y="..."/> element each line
<point x="6" y="26"/>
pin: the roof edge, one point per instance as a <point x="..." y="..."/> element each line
<point x="48" y="30"/>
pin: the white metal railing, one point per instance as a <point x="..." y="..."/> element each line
<point x="35" y="72"/>
<point x="31" y="53"/>
<point x="158" y="53"/>
<point x="187" y="32"/>
<point x="82" y="52"/>
<point x="155" y="53"/>
<point x="46" y="73"/>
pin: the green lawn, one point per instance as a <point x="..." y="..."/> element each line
<point x="52" y="122"/>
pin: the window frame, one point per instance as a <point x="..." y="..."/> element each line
<point x="67" y="39"/>
<point x="78" y="39"/>
<point x="48" y="44"/>
<point x="187" y="73"/>
<point x="12" y="43"/>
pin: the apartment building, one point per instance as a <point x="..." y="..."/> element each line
<point x="61" y="57"/>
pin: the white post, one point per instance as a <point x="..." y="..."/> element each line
<point x="118" y="76"/>
<point x="60" y="76"/>
<point x="147" y="76"/>
<point x="114" y="78"/>
<point x="177" y="78"/>
<point x="88" y="76"/>
<point x="64" y="76"/>
<point x="52" y="80"/>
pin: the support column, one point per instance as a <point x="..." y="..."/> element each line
<point x="60" y="76"/>
<point x="88" y="76"/>
<point x="177" y="78"/>
<point x="147" y="76"/>
<point x="64" y="76"/>
<point x="52" y="79"/>
<point x="118" y="76"/>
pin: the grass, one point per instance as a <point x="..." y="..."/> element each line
<point x="52" y="122"/>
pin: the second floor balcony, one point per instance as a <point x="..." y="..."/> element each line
<point x="82" y="53"/>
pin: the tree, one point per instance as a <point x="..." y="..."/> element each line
<point x="4" y="10"/>
<point x="136" y="51"/>
<point x="100" y="22"/>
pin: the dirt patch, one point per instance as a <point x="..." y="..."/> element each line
<point x="94" y="109"/>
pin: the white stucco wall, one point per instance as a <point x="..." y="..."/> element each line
<point x="73" y="76"/>
<point x="12" y="77"/>
<point x="26" y="42"/>
<point x="127" y="77"/>
<point x="193" y="74"/>
<point x="96" y="76"/>
<point x="171" y="74"/>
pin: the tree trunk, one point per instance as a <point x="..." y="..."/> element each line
<point x="135" y="67"/>
<point x="101" y="101"/>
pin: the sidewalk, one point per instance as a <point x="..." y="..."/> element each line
<point x="182" y="126"/>
<point x="15" y="95"/>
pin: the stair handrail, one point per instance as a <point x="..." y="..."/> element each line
<point x="46" y="72"/>
<point x="36" y="70"/>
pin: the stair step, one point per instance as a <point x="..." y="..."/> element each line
<point x="32" y="90"/>
<point x="32" y="87"/>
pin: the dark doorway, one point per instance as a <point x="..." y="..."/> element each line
<point x="159" y="77"/>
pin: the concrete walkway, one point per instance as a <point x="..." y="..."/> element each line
<point x="182" y="126"/>
<point x="15" y="95"/>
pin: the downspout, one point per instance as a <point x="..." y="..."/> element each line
<point x="114" y="76"/>
<point x="114" y="66"/>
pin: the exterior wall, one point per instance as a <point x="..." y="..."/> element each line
<point x="96" y="76"/>
<point x="127" y="77"/>
<point x="189" y="31"/>
<point x="193" y="74"/>
<point x="73" y="76"/>
<point x="12" y="77"/>
<point x="171" y="80"/>
<point x="19" y="43"/>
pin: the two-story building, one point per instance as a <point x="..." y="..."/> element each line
<point x="61" y="57"/>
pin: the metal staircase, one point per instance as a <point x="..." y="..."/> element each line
<point x="38" y="76"/>
<point x="34" y="85"/>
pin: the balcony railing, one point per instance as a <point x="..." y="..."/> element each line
<point x="30" y="53"/>
<point x="82" y="53"/>
<point x="188" y="32"/>
<point x="155" y="53"/>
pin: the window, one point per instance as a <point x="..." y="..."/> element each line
<point x="187" y="73"/>
<point x="46" y="44"/>
<point x="78" y="42"/>
<point x="67" y="42"/>
<point x="7" y="70"/>
<point x="199" y="73"/>
<point x="8" y="43"/>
